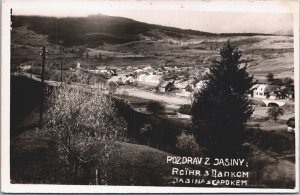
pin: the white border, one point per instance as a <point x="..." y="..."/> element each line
<point x="282" y="6"/>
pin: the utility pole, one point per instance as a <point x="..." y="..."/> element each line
<point x="61" y="64"/>
<point x="43" y="54"/>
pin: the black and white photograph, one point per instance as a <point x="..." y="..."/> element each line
<point x="150" y="96"/>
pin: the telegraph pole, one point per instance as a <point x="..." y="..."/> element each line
<point x="61" y="65"/>
<point x="43" y="54"/>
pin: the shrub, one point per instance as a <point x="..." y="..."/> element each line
<point x="275" y="112"/>
<point x="155" y="107"/>
<point x="145" y="132"/>
<point x="187" y="144"/>
<point x="185" y="109"/>
<point x="85" y="126"/>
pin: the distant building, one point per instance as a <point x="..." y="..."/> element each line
<point x="264" y="91"/>
<point x="147" y="68"/>
<point x="149" y="79"/>
<point x="25" y="67"/>
<point x="138" y="71"/>
<point x="166" y="86"/>
<point x="126" y="80"/>
<point x="178" y="83"/>
<point x="184" y="85"/>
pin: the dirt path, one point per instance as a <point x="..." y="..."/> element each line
<point x="153" y="96"/>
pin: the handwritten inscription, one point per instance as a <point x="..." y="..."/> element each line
<point x="209" y="171"/>
<point x="205" y="161"/>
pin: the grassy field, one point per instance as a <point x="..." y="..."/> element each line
<point x="33" y="160"/>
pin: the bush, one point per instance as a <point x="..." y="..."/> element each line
<point x="155" y="107"/>
<point x="187" y="144"/>
<point x="83" y="125"/>
<point x="257" y="103"/>
<point x="275" y="112"/>
<point x="145" y="132"/>
<point x="185" y="109"/>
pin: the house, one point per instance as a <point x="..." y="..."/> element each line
<point x="125" y="80"/>
<point x="264" y="91"/>
<point x="178" y="83"/>
<point x="184" y="86"/>
<point x="25" y="67"/>
<point x="103" y="71"/>
<point x="138" y="71"/>
<point x="152" y="79"/>
<point x="166" y="86"/>
<point x="147" y="68"/>
<point x="149" y="79"/>
<point x="129" y="79"/>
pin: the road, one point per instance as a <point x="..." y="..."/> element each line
<point x="153" y="96"/>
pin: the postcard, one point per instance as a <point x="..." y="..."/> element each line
<point x="150" y="96"/>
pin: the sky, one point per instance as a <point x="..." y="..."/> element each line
<point x="230" y="17"/>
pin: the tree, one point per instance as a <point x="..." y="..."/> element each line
<point x="155" y="107"/>
<point x="145" y="132"/>
<point x="275" y="112"/>
<point x="185" y="109"/>
<point x="85" y="126"/>
<point x="112" y="87"/>
<point x="187" y="144"/>
<point x="222" y="107"/>
<point x="288" y="81"/>
<point x="270" y="77"/>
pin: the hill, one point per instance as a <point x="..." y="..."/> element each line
<point x="117" y="41"/>
<point x="93" y="30"/>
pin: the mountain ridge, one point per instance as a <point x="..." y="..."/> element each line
<point x="100" y="29"/>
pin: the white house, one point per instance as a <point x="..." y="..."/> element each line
<point x="179" y="83"/>
<point x="138" y="71"/>
<point x="166" y="86"/>
<point x="25" y="67"/>
<point x="147" y="68"/>
<point x="264" y="91"/>
<point x="152" y="79"/>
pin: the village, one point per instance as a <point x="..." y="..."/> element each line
<point x="183" y="82"/>
<point x="175" y="87"/>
